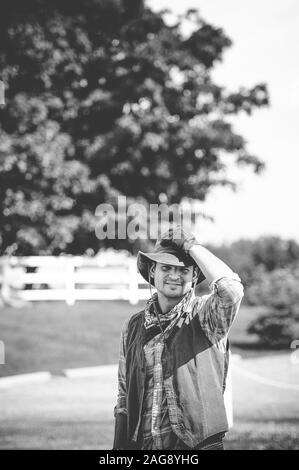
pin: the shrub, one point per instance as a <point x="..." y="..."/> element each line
<point x="279" y="291"/>
<point x="277" y="328"/>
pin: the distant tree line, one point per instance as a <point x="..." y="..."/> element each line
<point x="264" y="254"/>
<point x="269" y="269"/>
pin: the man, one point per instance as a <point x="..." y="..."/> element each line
<point x="174" y="354"/>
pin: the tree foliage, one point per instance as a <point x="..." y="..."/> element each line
<point x="103" y="98"/>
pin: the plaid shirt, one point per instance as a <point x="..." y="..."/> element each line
<point x="216" y="312"/>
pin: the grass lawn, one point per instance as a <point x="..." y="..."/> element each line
<point x="53" y="336"/>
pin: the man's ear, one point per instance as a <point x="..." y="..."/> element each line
<point x="152" y="270"/>
<point x="195" y="273"/>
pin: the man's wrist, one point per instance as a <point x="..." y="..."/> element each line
<point x="188" y="245"/>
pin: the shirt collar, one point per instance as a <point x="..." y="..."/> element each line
<point x="150" y="318"/>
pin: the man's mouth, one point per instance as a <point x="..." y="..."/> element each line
<point x="173" y="283"/>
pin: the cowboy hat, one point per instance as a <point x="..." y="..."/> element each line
<point x="166" y="254"/>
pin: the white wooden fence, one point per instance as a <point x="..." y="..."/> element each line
<point x="108" y="276"/>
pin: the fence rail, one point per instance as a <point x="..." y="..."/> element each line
<point x="70" y="278"/>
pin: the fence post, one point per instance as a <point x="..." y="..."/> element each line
<point x="11" y="288"/>
<point x="70" y="296"/>
<point x="2" y="353"/>
<point x="133" y="281"/>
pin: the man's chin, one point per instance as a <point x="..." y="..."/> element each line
<point x="173" y="295"/>
<point x="173" y="292"/>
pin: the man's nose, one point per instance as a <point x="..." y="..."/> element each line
<point x="174" y="272"/>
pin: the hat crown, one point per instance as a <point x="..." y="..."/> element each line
<point x="171" y="248"/>
<point x="159" y="248"/>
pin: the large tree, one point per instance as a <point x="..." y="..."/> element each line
<point x="103" y="98"/>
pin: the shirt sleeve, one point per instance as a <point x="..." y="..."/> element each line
<point x="218" y="310"/>
<point x="121" y="405"/>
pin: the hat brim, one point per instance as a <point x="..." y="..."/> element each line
<point x="144" y="261"/>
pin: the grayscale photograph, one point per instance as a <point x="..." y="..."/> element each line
<point x="149" y="242"/>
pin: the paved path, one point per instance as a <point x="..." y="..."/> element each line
<point x="59" y="413"/>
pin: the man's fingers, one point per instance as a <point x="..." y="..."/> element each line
<point x="178" y="233"/>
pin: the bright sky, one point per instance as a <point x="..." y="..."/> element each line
<point x="265" y="35"/>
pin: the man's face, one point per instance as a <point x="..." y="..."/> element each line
<point x="172" y="281"/>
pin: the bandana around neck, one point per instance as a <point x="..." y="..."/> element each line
<point x="150" y="318"/>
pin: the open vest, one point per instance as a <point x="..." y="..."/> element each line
<point x="197" y="369"/>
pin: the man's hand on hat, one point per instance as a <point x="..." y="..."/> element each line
<point x="179" y="237"/>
